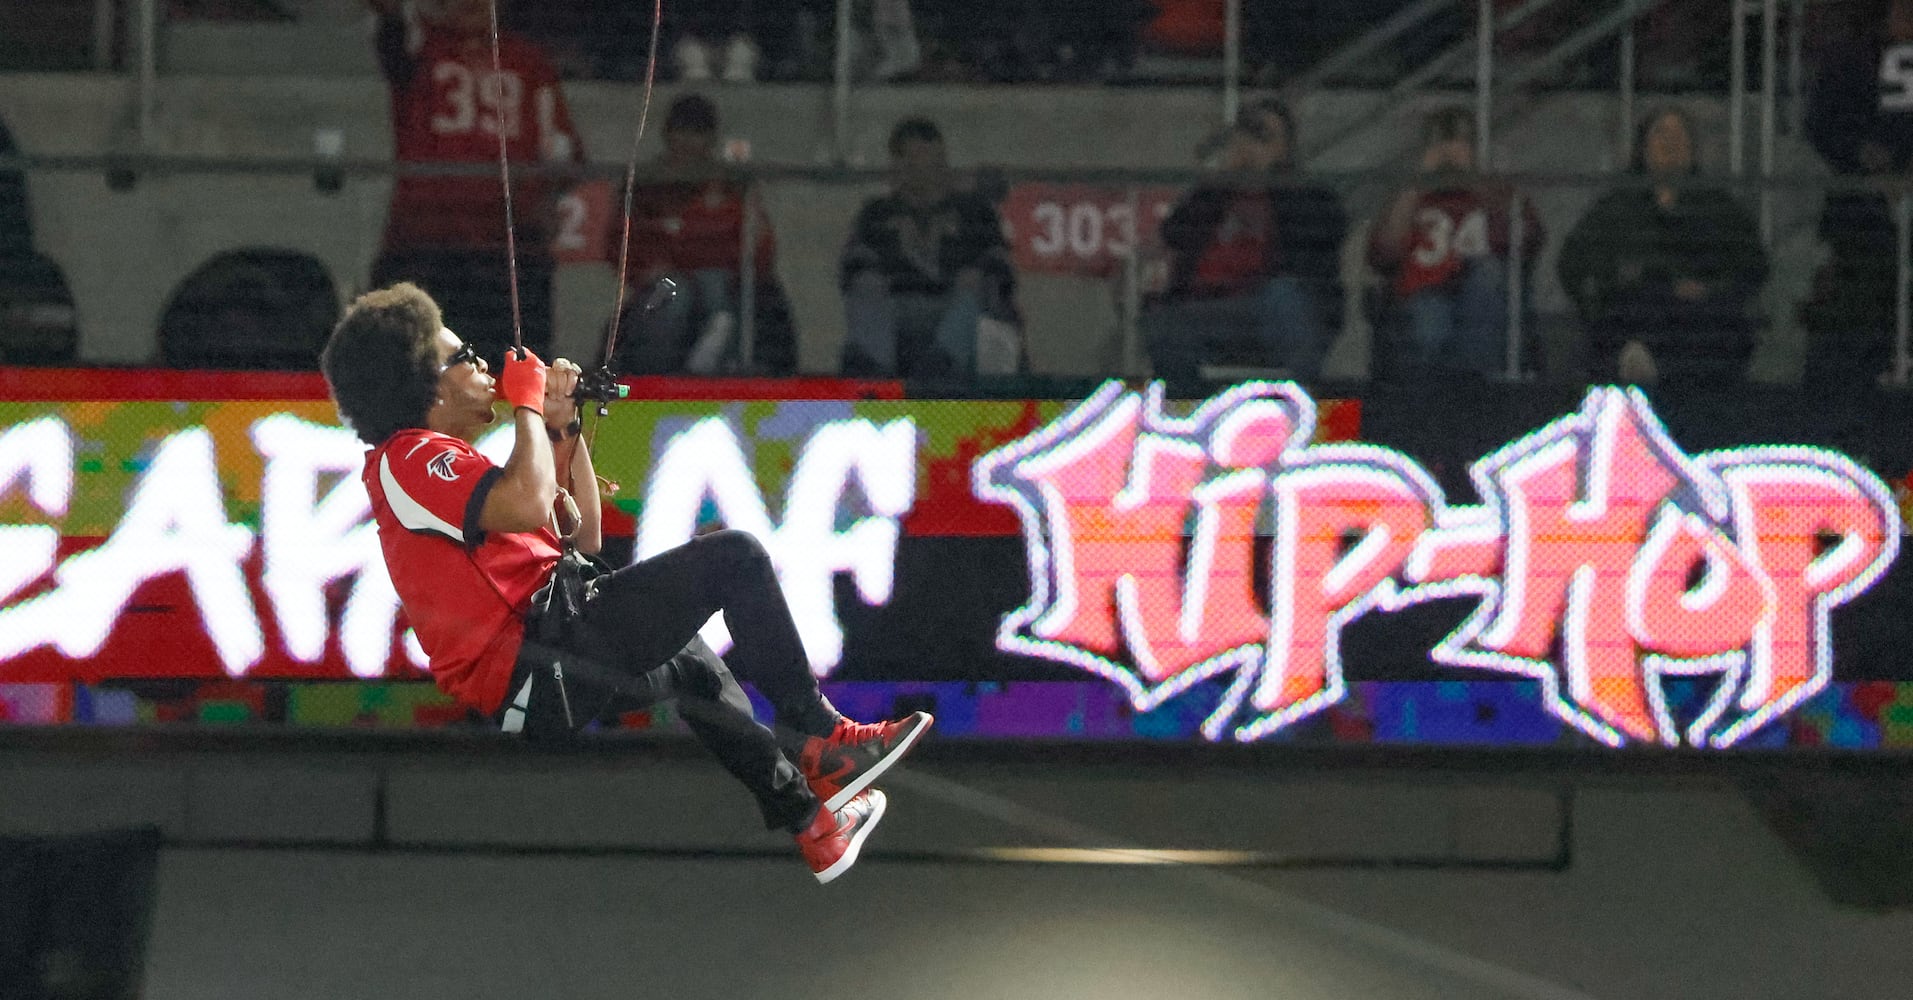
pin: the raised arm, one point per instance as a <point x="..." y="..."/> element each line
<point x="521" y="499"/>
<point x="392" y="42"/>
<point x="582" y="482"/>
<point x="1393" y="234"/>
<point x="1843" y="107"/>
<point x="862" y="251"/>
<point x="981" y="243"/>
<point x="1585" y="264"/>
<point x="572" y="460"/>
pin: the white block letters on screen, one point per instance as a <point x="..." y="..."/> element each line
<point x="315" y="534"/>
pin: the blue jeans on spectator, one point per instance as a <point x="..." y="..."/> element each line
<point x="908" y="334"/>
<point x="1461" y="326"/>
<point x="1283" y="321"/>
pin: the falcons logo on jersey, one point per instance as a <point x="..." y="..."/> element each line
<point x="440" y="466"/>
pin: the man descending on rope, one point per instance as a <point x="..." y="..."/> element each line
<point x="487" y="580"/>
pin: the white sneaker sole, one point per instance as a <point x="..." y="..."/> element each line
<point x="877" y="806"/>
<point x="864" y="780"/>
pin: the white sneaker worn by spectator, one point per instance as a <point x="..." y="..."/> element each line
<point x="1636" y="364"/>
<point x="693" y="59"/>
<point x="740" y="60"/>
<point x="712" y="345"/>
<point x="896" y="35"/>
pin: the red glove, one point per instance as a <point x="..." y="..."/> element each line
<point x="522" y="383"/>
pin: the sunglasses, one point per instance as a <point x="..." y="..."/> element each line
<point x="466" y="354"/>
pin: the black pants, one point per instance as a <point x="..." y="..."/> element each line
<point x="1696" y="345"/>
<point x="638" y="646"/>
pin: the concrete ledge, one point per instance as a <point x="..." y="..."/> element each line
<point x="674" y="805"/>
<point x="265" y="799"/>
<point x="50" y="797"/>
<point x="678" y="801"/>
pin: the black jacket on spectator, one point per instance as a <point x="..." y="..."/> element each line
<point x="922" y="252"/>
<point x="1624" y="258"/>
<point x="1863" y="95"/>
<point x="16" y="224"/>
<point x="1307" y="229"/>
<point x="37" y="320"/>
<point x="1849" y="317"/>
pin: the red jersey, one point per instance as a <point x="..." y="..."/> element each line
<point x="464" y="591"/>
<point x="448" y="107"/>
<point x="1236" y="258"/>
<point x="1449" y="228"/>
<point x="692" y="226"/>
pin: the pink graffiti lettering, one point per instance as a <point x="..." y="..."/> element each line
<point x="1600" y="559"/>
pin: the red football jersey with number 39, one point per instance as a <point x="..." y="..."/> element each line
<point x="448" y="106"/>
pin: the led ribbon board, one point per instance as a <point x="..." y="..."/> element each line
<point x="234" y="538"/>
<point x="1119" y="567"/>
<point x="1601" y="559"/>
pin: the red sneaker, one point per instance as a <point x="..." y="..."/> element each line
<point x="832" y="841"/>
<point x="844" y="763"/>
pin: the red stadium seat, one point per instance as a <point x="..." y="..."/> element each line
<point x="1187" y="27"/>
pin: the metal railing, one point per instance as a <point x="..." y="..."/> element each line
<point x="1493" y="83"/>
<point x="1128" y="258"/>
<point x="1495" y="88"/>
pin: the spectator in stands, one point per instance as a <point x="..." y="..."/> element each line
<point x="1255" y="260"/>
<point x="1684" y="45"/>
<point x="16" y="223"/>
<point x="1664" y="275"/>
<point x="1860" y="118"/>
<point x="1190" y="27"/>
<point x="713" y="40"/>
<point x="924" y="266"/>
<point x="1077" y="41"/>
<point x="978" y="40"/>
<point x="734" y="40"/>
<point x="1284" y="38"/>
<point x="1442" y="246"/>
<point x="688" y="223"/>
<point x="37" y="319"/>
<point x="447" y="233"/>
<point x="899" y="52"/>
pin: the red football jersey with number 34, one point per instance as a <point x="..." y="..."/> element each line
<point x="1453" y="226"/>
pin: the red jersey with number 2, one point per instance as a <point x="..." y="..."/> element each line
<point x="464" y="590"/>
<point x="448" y="107"/>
